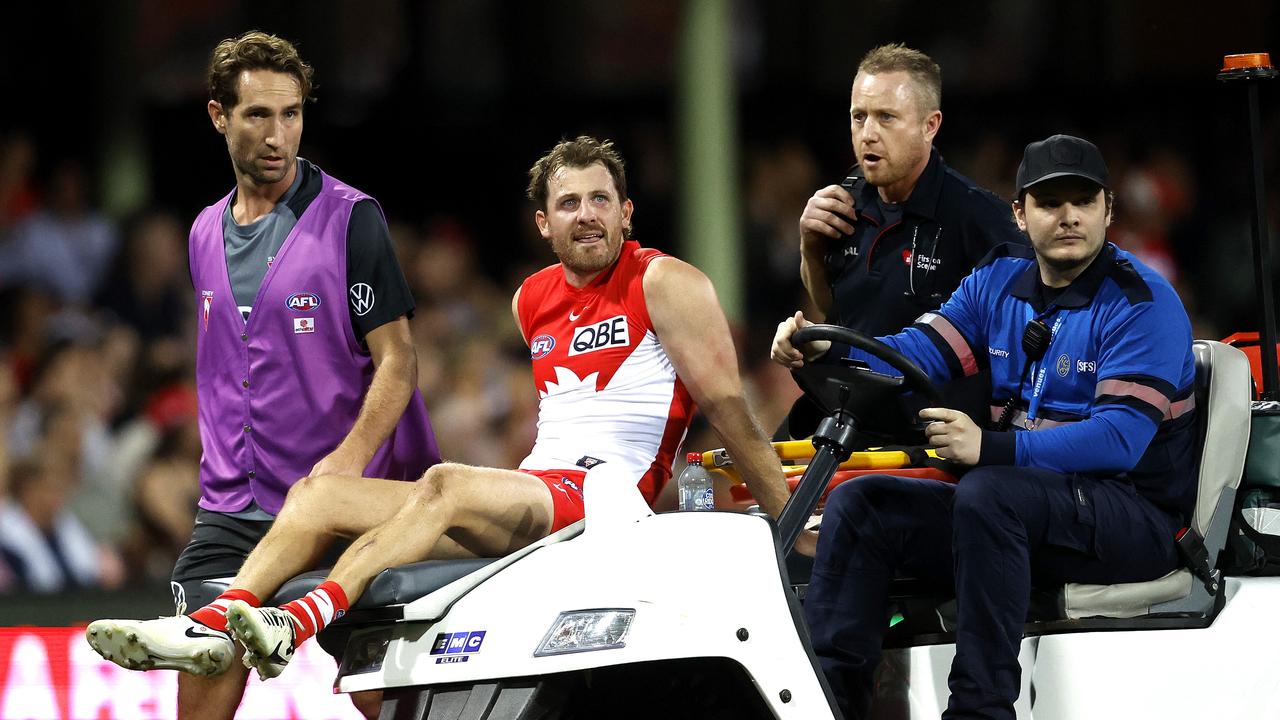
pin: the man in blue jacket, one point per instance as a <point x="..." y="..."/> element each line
<point x="1091" y="485"/>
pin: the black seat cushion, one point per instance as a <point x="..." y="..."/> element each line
<point x="393" y="586"/>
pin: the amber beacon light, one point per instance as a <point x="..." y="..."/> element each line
<point x="1248" y="64"/>
<point x="1246" y="71"/>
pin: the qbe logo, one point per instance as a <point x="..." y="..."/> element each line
<point x="541" y="346"/>
<point x="605" y="334"/>
<point x="457" y="647"/>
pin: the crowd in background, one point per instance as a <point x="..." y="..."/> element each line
<point x="99" y="448"/>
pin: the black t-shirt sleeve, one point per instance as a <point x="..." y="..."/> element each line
<point x="990" y="225"/>
<point x="377" y="292"/>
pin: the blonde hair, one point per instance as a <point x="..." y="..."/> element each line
<point x="925" y="73"/>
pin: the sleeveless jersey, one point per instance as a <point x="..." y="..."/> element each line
<point x="281" y="390"/>
<point x="607" y="390"/>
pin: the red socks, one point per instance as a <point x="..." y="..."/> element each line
<point x="311" y="613"/>
<point x="214" y="615"/>
<point x="315" y="610"/>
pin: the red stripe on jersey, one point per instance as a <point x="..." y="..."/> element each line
<point x="682" y="409"/>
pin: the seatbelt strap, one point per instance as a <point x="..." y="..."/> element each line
<point x="1196" y="557"/>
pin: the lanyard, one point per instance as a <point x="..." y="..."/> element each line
<point x="1034" y="404"/>
<point x="933" y="254"/>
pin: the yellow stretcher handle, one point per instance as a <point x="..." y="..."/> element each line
<point x="718" y="461"/>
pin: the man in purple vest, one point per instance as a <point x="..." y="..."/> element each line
<point x="304" y="362"/>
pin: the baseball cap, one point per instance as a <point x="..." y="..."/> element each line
<point x="1060" y="156"/>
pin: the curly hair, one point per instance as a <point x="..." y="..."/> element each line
<point x="582" y="151"/>
<point x="254" y="50"/>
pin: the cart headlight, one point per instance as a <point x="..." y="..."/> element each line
<point x="365" y="652"/>
<point x="586" y="630"/>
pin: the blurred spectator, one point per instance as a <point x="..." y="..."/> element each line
<point x="1157" y="194"/>
<point x="477" y="400"/>
<point x="67" y="381"/>
<point x="150" y="287"/>
<point x="8" y="404"/>
<point x="25" y="314"/>
<point x="780" y="179"/>
<point x="468" y="350"/>
<point x="168" y="486"/>
<point x="445" y="276"/>
<point x="44" y="544"/>
<point x="65" y="244"/>
<point x="17" y="191"/>
<point x="74" y="395"/>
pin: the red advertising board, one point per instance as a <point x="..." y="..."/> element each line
<point x="53" y="674"/>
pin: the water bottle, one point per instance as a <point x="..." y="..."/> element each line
<point x="694" y="485"/>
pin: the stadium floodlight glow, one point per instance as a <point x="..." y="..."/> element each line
<point x="586" y="630"/>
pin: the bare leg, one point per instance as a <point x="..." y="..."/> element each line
<point x="218" y="697"/>
<point x="485" y="512"/>
<point x="317" y="510"/>
<point x="488" y="512"/>
<point x="368" y="702"/>
<point x="212" y="698"/>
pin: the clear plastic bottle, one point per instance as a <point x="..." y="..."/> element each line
<point x="694" y="485"/>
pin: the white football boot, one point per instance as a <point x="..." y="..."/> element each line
<point x="167" y="643"/>
<point x="267" y="636"/>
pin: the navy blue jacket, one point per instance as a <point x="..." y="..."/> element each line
<point x="882" y="278"/>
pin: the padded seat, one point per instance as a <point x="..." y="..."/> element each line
<point x="387" y="593"/>
<point x="393" y="586"/>
<point x="1223" y="417"/>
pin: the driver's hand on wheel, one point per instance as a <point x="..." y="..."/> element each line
<point x="956" y="436"/>
<point x="788" y="355"/>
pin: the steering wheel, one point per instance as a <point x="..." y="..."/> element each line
<point x="864" y="392"/>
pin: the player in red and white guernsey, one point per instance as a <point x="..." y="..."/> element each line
<point x="608" y="391"/>
<point x="624" y="342"/>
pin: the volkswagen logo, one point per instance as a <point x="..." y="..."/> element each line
<point x="361" y="298"/>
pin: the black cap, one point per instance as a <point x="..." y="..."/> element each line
<point x="1060" y="156"/>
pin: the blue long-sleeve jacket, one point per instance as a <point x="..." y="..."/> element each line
<point x="1113" y="394"/>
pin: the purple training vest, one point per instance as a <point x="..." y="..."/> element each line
<point x="278" y="393"/>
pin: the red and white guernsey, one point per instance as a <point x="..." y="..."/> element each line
<point x="608" y="391"/>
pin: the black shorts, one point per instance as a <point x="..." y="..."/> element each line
<point x="218" y="547"/>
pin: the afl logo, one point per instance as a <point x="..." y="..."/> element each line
<point x="1064" y="365"/>
<point x="541" y="346"/>
<point x="303" y="302"/>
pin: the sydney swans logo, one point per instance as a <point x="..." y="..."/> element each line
<point x="567" y="381"/>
